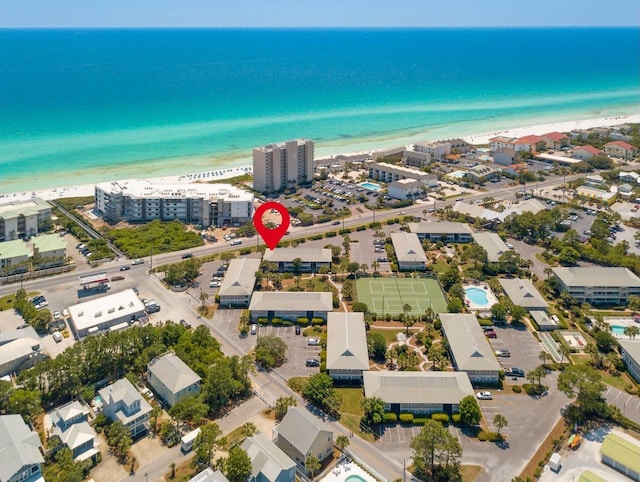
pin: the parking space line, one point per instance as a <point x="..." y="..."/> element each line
<point x="401" y="431"/>
<point x="638" y="406"/>
<point x="619" y="393"/>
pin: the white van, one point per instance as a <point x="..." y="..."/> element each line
<point x="236" y="242"/>
<point x="57" y="336"/>
<point x="186" y="442"/>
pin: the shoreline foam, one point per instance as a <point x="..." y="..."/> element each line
<point x="225" y="172"/>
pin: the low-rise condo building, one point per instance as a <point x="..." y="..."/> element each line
<point x="386" y="172"/>
<point x="290" y="305"/>
<point x="621" y="150"/>
<point x="598" y="285"/>
<point x="631" y="357"/>
<point x="301" y="434"/>
<point x="347" y="355"/>
<point x="445" y="231"/>
<point x="238" y="283"/>
<point x="303" y="260"/>
<point x="409" y="252"/>
<point x="23" y="218"/>
<point x="492" y="244"/>
<point x="523" y="293"/>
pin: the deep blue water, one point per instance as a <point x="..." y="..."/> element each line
<point x="94" y="103"/>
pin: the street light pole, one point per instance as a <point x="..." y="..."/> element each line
<point x="404" y="471"/>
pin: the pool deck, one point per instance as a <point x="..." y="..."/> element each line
<point x="620" y="321"/>
<point x="491" y="298"/>
<point x="342" y="471"/>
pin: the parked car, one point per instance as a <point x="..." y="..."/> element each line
<point x="136" y="262"/>
<point x="125" y="268"/>
<point x="117" y="278"/>
<point x="515" y="372"/>
<point x="298" y="330"/>
<point x="187" y="255"/>
<point x="313" y="362"/>
<point x="503" y="353"/>
<point x="491" y="334"/>
<point x="214" y="284"/>
<point x="484" y="396"/>
<point x="254" y="329"/>
<point x="57" y="336"/>
<point x="313" y="342"/>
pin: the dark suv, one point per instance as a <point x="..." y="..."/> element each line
<point x="313" y="362"/>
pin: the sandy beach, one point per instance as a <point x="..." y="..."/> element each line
<point x="225" y="173"/>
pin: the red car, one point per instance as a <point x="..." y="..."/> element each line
<point x="491" y="334"/>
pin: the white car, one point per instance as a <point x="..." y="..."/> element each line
<point x="484" y="396"/>
<point x="510" y="246"/>
<point x="56" y="315"/>
<point x="65" y="313"/>
<point x="313" y="342"/>
<point x="214" y="284"/>
<point x="136" y="262"/>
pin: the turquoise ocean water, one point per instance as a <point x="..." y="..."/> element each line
<point x="81" y="106"/>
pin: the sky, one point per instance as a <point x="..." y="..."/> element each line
<point x="317" y="13"/>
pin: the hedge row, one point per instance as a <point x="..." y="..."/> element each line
<point x="390" y="417"/>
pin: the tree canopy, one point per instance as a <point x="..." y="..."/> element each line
<point x="436" y="453"/>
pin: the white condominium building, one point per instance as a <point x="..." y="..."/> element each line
<point x="280" y="166"/>
<point x="23" y="218"/>
<point x="207" y="204"/>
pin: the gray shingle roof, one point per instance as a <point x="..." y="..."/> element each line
<point x="209" y="475"/>
<point x="291" y="301"/>
<point x="173" y="372"/>
<point x="523" y="293"/>
<point x="468" y="343"/>
<point x="408" y="248"/>
<point x="19" y="446"/>
<point x="300" y="428"/>
<point x="417" y="387"/>
<point x="266" y="457"/>
<point x="346" y="342"/>
<point x="307" y="255"/>
<point x="492" y="243"/>
<point x="632" y="347"/>
<point x="440" y="227"/>
<point x="240" y="277"/>
<point x="597" y="276"/>
<point x="10" y="335"/>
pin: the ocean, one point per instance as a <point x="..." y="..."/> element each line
<point x="80" y="106"/>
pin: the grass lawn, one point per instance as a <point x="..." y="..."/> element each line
<point x="6" y="302"/>
<point x="389" y="335"/>
<point x="621" y="381"/>
<point x="440" y="265"/>
<point x="350" y="412"/>
<point x="470" y="472"/>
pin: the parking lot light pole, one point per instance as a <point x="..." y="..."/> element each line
<point x="404" y="471"/>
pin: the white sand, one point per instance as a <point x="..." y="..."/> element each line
<point x="89" y="189"/>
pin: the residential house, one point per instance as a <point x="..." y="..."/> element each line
<point x="556" y="140"/>
<point x="594" y="180"/>
<point x="631" y="177"/>
<point x="445" y="231"/>
<point x="481" y="173"/>
<point x="238" y="283"/>
<point x="523" y="293"/>
<point x="347" y="355"/>
<point x="598" y="285"/>
<point x="69" y="423"/>
<point x="621" y="452"/>
<point x="301" y="434"/>
<point x="405" y="189"/>
<point x="14" y="257"/>
<point x="209" y="475"/>
<point x="469" y="348"/>
<point x="290" y="305"/>
<point x="268" y="462"/>
<point x="631" y="357"/>
<point x="122" y="402"/>
<point x="530" y="143"/>
<point x="625" y="190"/>
<point x="418" y="392"/>
<point x="49" y="250"/>
<point x="171" y="378"/>
<point x="585" y="153"/>
<point x="310" y="259"/>
<point x="20" y="451"/>
<point x="23" y="218"/>
<point x="409" y="252"/>
<point x="621" y="150"/>
<point x="19" y="350"/>
<point x="493" y="245"/>
<point x="505" y="156"/>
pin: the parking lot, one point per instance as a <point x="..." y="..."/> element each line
<point x="523" y="346"/>
<point x="363" y="250"/>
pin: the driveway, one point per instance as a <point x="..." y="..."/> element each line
<point x="629" y="405"/>
<point x="523" y="346"/>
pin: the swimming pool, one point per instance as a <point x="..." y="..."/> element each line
<point x="354" y="478"/>
<point x="617" y="329"/>
<point x="477" y="296"/>
<point x="370" y="186"/>
<point x="457" y="174"/>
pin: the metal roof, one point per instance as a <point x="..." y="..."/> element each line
<point x="346" y="342"/>
<point x="493" y="245"/>
<point x="19" y="446"/>
<point x="14" y="249"/>
<point x="417" y="387"/>
<point x="291" y="301"/>
<point x="307" y="255"/>
<point x="240" y="277"/>
<point x="209" y="475"/>
<point x="468" y="343"/>
<point x="597" y="276"/>
<point x="622" y="450"/>
<point x="48" y="242"/>
<point x="300" y="429"/>
<point x="632" y="348"/>
<point x="523" y="293"/>
<point x="440" y="227"/>
<point x="27" y="207"/>
<point x="105" y="309"/>
<point x="172" y="372"/>
<point x="408" y="248"/>
<point x="266" y="457"/>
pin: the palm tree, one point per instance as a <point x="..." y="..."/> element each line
<point x="341" y="442"/>
<point x="203" y="298"/>
<point x="406" y="308"/>
<point x="611" y="358"/>
<point x="500" y="422"/>
<point x="429" y="318"/>
<point x="375" y="265"/>
<point x="564" y="352"/>
<point x="248" y="429"/>
<point x="312" y="464"/>
<point x="631" y="331"/>
<point x="543" y="355"/>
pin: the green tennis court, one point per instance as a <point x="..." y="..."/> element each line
<point x="388" y="295"/>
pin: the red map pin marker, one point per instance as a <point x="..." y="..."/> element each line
<point x="271" y="237"/>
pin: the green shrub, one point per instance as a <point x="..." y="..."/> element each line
<point x="317" y="321"/>
<point x="440" y="417"/>
<point x="420" y="420"/>
<point x="390" y="222"/>
<point x="276" y="321"/>
<point x="516" y="388"/>
<point x="302" y="320"/>
<point x="315" y="237"/>
<point x="361" y="228"/>
<point x="287" y="323"/>
<point x="390" y="418"/>
<point x="406" y="417"/>
<point x="489" y="436"/>
<point x="244" y="251"/>
<point x="262" y="321"/>
<point x="330" y="234"/>
<point x="455" y="418"/>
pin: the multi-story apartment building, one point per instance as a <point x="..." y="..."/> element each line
<point x="386" y="172"/>
<point x="280" y="166"/>
<point x="206" y="204"/>
<point x="23" y="218"/>
<point x="598" y="285"/>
